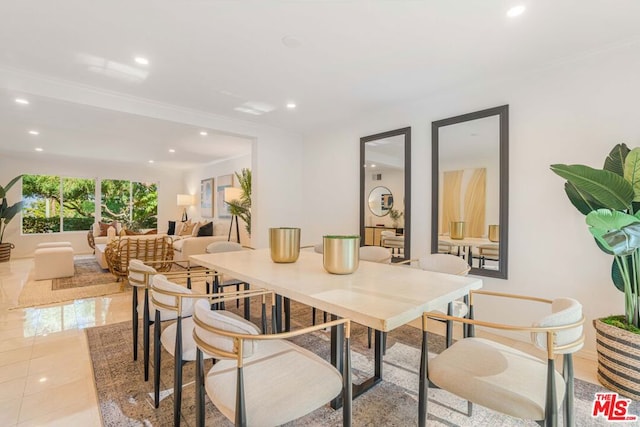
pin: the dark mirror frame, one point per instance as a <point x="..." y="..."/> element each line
<point x="407" y="183"/>
<point x="503" y="113"/>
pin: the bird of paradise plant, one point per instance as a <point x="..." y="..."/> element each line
<point x="610" y="199"/>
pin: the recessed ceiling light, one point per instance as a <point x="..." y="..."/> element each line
<point x="34" y="132"/>
<point x="22" y="101"/>
<point x="291" y="42"/>
<point x="39" y="149"/>
<point x="150" y="161"/>
<point x="516" y="11"/>
<point x="141" y="60"/>
<point x="171" y="150"/>
<point x="203" y="133"/>
<point x="291" y="105"/>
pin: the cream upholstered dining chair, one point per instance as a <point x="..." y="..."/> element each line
<point x="450" y="264"/>
<point x="389" y="239"/>
<point x="140" y="276"/>
<point x="223" y="246"/>
<point x="503" y="378"/>
<point x="261" y="379"/>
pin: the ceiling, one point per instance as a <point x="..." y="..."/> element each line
<point x="246" y="60"/>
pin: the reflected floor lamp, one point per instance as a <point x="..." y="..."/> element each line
<point x="183" y="201"/>
<point x="231" y="194"/>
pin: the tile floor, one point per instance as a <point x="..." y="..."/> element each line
<point x="45" y="370"/>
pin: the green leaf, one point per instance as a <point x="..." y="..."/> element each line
<point x="632" y="172"/>
<point x="604" y="221"/>
<point x="610" y="190"/>
<point x="616" y="274"/>
<point x="580" y="200"/>
<point x="3" y="190"/>
<point x="616" y="158"/>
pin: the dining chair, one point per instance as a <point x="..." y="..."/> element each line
<point x="503" y="378"/>
<point x="389" y="239"/>
<point x="140" y="276"/>
<point x="381" y="255"/>
<point x="177" y="338"/>
<point x="488" y="252"/>
<point x="449" y="264"/>
<point x="224" y="246"/>
<point x="261" y="379"/>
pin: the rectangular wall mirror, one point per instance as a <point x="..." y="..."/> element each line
<point x="470" y="177"/>
<point x="385" y="192"/>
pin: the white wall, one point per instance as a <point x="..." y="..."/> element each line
<point x="169" y="184"/>
<point x="573" y="112"/>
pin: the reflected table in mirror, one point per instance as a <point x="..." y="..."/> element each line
<point x="479" y="252"/>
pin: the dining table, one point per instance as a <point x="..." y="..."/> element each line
<point x="380" y="296"/>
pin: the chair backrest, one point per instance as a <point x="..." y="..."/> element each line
<point x="375" y="254"/>
<point x="159" y="284"/>
<point x="119" y="252"/>
<point x="136" y="273"/>
<point x="228" y="322"/>
<point x="217" y="247"/>
<point x="445" y="263"/>
<point x="564" y="311"/>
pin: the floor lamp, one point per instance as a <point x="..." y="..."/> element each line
<point x="184" y="200"/>
<point x="231" y="194"/>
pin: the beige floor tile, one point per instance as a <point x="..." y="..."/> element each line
<point x="56" y="399"/>
<point x="14" y="370"/>
<point x="62" y="361"/>
<point x="13" y="389"/>
<point x="61" y="342"/>
<point x="15" y="343"/>
<point x="13" y="356"/>
<point x="58" y="377"/>
<point x="9" y="411"/>
<point x="85" y="415"/>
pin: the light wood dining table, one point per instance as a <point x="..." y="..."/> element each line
<point x="380" y="296"/>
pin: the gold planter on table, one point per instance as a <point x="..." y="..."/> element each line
<point x="494" y="233"/>
<point x="341" y="254"/>
<point x="285" y="244"/>
<point x="456" y="230"/>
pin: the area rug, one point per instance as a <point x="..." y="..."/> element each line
<point x="87" y="273"/>
<point x="126" y="400"/>
<point x="87" y="283"/>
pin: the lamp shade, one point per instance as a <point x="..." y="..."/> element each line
<point x="232" y="193"/>
<point x="185" y="200"/>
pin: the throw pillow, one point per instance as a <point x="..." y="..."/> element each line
<point x="152" y="231"/>
<point x="172" y="228"/>
<point x="187" y="228"/>
<point x="206" y="230"/>
<point x="196" y="227"/>
<point x="103" y="228"/>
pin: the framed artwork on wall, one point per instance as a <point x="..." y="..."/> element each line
<point x="206" y="198"/>
<point x="224" y="181"/>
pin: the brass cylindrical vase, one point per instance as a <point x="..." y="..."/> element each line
<point x="456" y="230"/>
<point x="285" y="244"/>
<point x="341" y="254"/>
<point x="494" y="233"/>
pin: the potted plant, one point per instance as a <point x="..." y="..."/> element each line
<point x="396" y="216"/>
<point x="6" y="215"/>
<point x="610" y="199"/>
<point x="242" y="207"/>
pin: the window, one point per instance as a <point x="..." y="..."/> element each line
<point x="54" y="204"/>
<point x="135" y="204"/>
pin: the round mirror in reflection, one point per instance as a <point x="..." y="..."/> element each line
<point x="380" y="201"/>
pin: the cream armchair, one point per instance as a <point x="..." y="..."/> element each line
<point x="503" y="378"/>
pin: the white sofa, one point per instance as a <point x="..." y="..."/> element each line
<point x="185" y="246"/>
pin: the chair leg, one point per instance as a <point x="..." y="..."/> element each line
<point x="567" y="373"/>
<point x="247" y="304"/>
<point x="238" y="300"/>
<point x="313" y="316"/>
<point x="199" y="389"/>
<point x="146" y="322"/>
<point x="449" y="332"/>
<point x="157" y="349"/>
<point x="177" y="375"/>
<point x="369" y="337"/>
<point x="134" y="321"/>
<point x="551" y="409"/>
<point x="423" y="382"/>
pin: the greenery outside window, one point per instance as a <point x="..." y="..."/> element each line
<point x="134" y="204"/>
